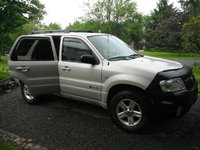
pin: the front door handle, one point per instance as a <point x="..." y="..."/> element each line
<point x="66" y="68"/>
<point x="23" y="69"/>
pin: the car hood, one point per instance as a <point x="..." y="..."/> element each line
<point x="150" y="64"/>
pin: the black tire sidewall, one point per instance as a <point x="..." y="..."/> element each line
<point x="141" y="100"/>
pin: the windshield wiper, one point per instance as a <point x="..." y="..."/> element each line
<point x="118" y="58"/>
<point x="135" y="56"/>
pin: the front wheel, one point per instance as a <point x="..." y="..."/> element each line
<point x="28" y="97"/>
<point x="131" y="110"/>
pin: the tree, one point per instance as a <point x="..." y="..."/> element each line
<point x="163" y="28"/>
<point x="118" y="17"/>
<point x="161" y="12"/>
<point x="87" y="26"/>
<point x="133" y="31"/>
<point x="112" y="13"/>
<point x="15" y="13"/>
<point x="52" y="26"/>
<point x="191" y="8"/>
<point x="191" y="37"/>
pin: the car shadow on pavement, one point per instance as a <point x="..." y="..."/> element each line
<point x="160" y="124"/>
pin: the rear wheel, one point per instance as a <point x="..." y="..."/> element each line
<point x="131" y="110"/>
<point x="28" y="97"/>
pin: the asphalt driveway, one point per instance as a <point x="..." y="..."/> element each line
<point x="64" y="124"/>
<point x="188" y="62"/>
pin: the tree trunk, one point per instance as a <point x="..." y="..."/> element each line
<point x="179" y="52"/>
<point x="1" y="48"/>
<point x="110" y="27"/>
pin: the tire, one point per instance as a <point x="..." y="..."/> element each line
<point x="27" y="95"/>
<point x="131" y="110"/>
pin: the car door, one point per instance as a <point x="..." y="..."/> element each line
<point x="34" y="62"/>
<point x="76" y="78"/>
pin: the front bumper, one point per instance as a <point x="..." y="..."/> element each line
<point x="173" y="103"/>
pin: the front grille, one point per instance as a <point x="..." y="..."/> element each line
<point x="190" y="82"/>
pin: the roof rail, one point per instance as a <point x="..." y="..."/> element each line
<point x="59" y="31"/>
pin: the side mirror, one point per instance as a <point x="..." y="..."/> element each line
<point x="89" y="59"/>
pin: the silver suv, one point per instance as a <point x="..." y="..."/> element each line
<point x="101" y="69"/>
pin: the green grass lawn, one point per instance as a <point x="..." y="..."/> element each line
<point x="170" y="55"/>
<point x="196" y="71"/>
<point x="4" y="67"/>
<point x="4" y="146"/>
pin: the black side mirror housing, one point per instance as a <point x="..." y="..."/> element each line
<point x="89" y="59"/>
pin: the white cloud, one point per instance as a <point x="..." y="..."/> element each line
<point x="62" y="11"/>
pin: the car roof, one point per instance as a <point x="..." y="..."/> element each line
<point x="82" y="34"/>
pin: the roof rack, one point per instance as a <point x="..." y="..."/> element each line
<point x="59" y="31"/>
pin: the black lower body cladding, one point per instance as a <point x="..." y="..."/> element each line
<point x="173" y="103"/>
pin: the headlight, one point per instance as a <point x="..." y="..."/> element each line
<point x="172" y="85"/>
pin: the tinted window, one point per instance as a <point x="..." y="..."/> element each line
<point x="22" y="48"/>
<point x="43" y="50"/>
<point x="32" y="49"/>
<point x="56" y="40"/>
<point x="73" y="49"/>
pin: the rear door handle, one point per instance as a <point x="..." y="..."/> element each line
<point x="66" y="68"/>
<point x="23" y="69"/>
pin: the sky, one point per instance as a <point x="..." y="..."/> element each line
<point x="64" y="12"/>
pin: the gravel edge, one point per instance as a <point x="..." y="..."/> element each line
<point x="20" y="142"/>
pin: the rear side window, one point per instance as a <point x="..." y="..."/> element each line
<point x="24" y="47"/>
<point x="43" y="50"/>
<point x="33" y="49"/>
<point x="21" y="49"/>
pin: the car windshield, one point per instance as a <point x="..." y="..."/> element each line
<point x="112" y="48"/>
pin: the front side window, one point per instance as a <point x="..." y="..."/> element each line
<point x="73" y="49"/>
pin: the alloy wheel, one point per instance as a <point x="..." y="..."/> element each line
<point x="129" y="112"/>
<point x="27" y="93"/>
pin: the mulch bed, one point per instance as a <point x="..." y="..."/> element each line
<point x="7" y="85"/>
<point x="20" y="143"/>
